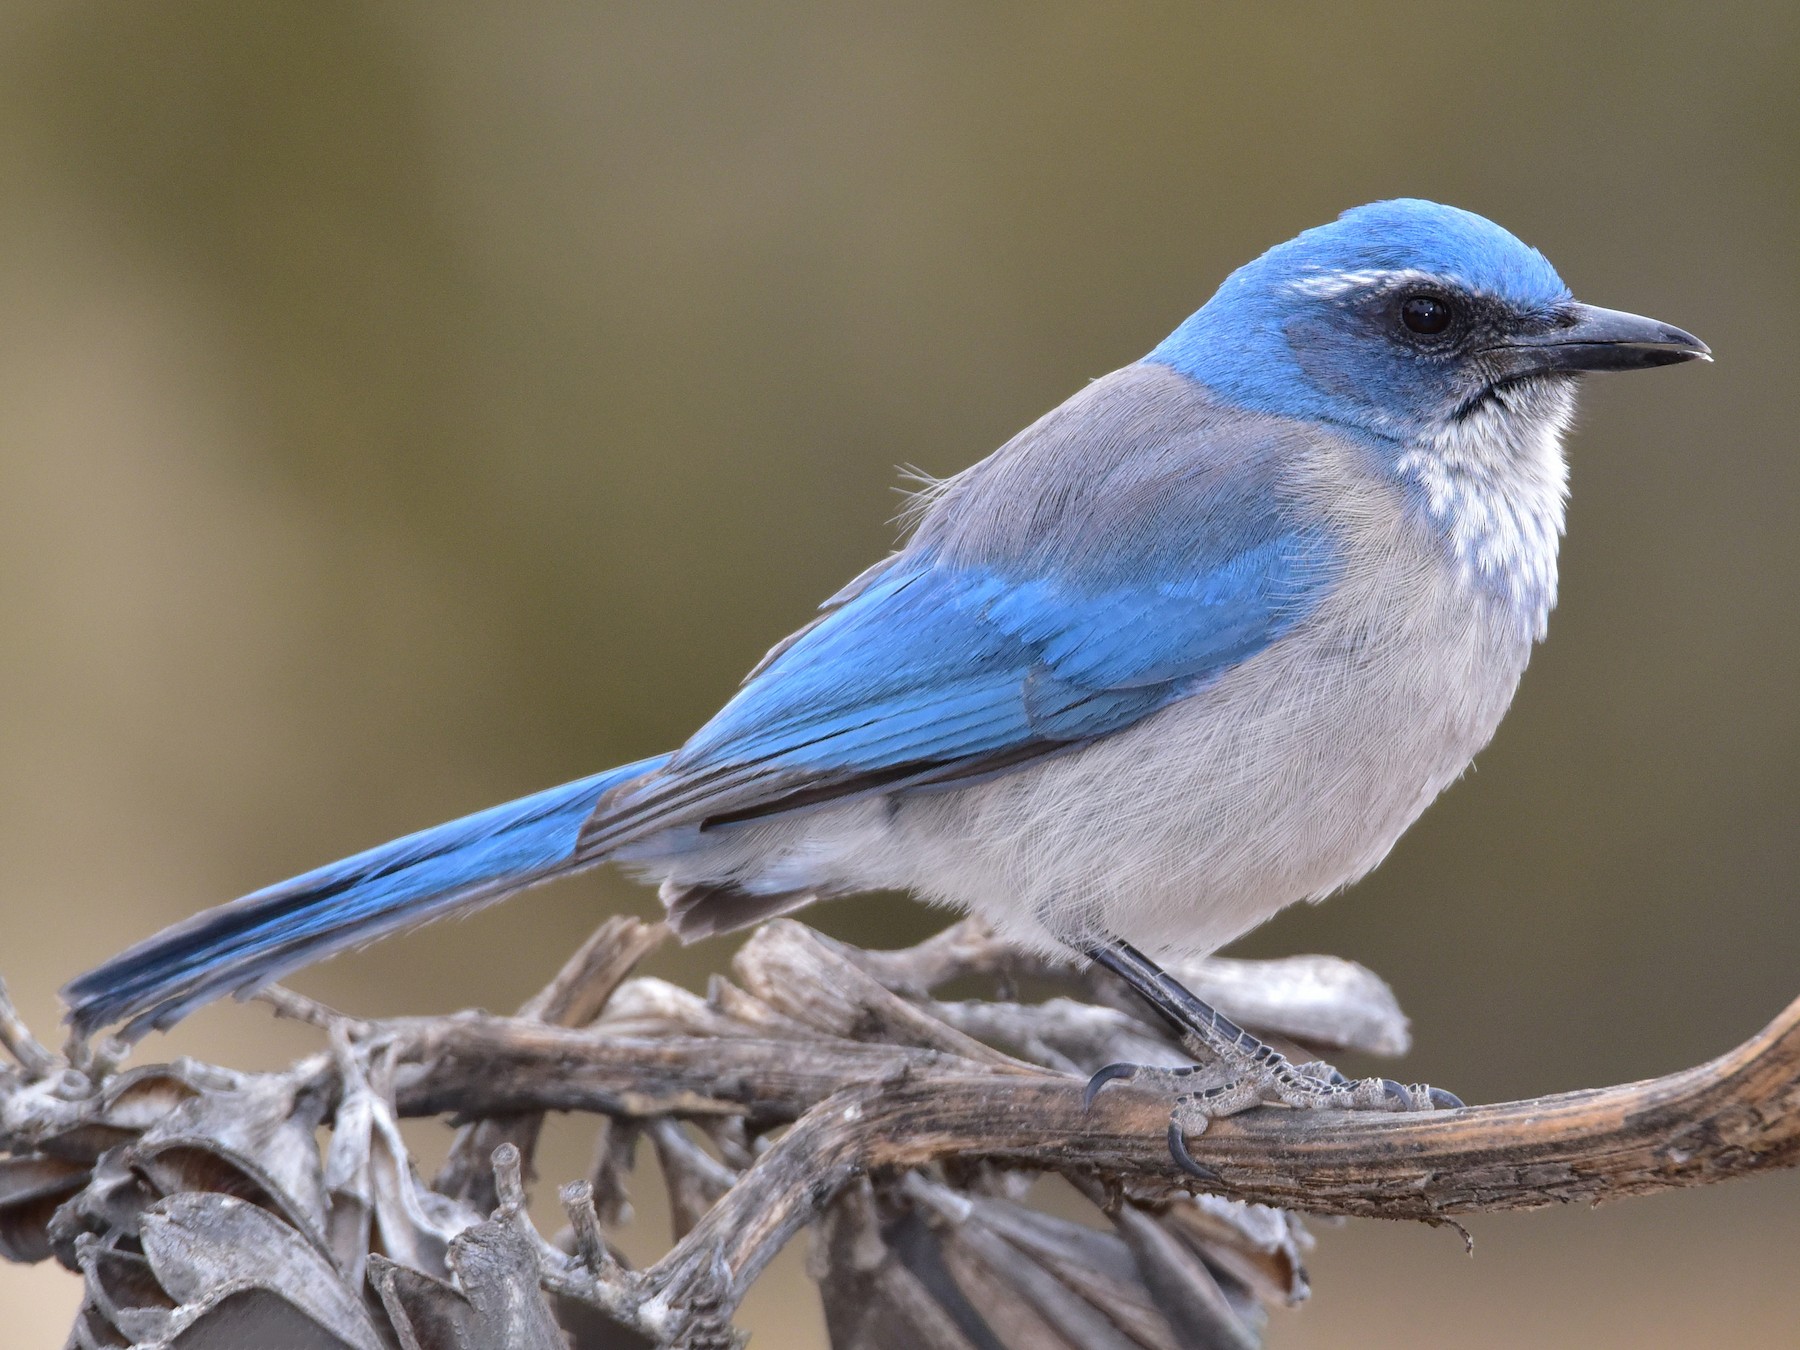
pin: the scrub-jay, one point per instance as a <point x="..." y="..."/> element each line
<point x="1198" y="643"/>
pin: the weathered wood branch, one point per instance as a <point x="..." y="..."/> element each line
<point x="906" y="1107"/>
<point x="822" y="1086"/>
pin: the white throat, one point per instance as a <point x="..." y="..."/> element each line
<point x="1496" y="481"/>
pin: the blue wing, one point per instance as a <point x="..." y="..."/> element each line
<point x="952" y="661"/>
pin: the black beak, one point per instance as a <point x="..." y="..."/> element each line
<point x="1589" y="338"/>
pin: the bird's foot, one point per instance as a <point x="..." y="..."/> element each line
<point x="1262" y="1076"/>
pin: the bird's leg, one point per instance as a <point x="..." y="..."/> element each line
<point x="1247" y="1073"/>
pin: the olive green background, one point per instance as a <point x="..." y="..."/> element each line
<point x="407" y="406"/>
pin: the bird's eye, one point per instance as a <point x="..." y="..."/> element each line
<point x="1426" y="314"/>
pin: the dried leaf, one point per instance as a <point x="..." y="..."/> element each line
<point x="247" y="1142"/>
<point x="93" y="1332"/>
<point x="872" y="1299"/>
<point x="1263" y="1249"/>
<point x="1183" y="1288"/>
<point x="109" y="1204"/>
<point x="32" y="1189"/>
<point x="377" y="1202"/>
<point x="1321" y="1001"/>
<point x="806" y="976"/>
<point x="36" y="1219"/>
<point x="204" y="1250"/>
<point x="648" y="1006"/>
<point x="137" y="1099"/>
<point x="121" y="1288"/>
<point x="247" y="1315"/>
<point x="1011" y="1321"/>
<point x="426" y="1313"/>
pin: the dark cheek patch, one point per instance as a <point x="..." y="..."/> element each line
<point x="1326" y="359"/>
<point x="1352" y="360"/>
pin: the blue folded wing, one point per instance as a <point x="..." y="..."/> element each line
<point x="933" y="672"/>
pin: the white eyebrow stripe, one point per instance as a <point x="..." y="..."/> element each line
<point x="1331" y="285"/>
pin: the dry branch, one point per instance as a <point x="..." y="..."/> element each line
<point x="834" y="1092"/>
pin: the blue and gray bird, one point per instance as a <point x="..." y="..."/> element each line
<point x="1197" y="644"/>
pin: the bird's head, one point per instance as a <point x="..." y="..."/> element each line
<point x="1409" y="320"/>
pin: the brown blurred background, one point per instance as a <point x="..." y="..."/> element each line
<point x="406" y="406"/>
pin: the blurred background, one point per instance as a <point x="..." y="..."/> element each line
<point x="405" y="406"/>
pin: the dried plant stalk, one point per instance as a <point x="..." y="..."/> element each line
<point x="837" y="1093"/>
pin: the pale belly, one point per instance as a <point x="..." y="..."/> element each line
<point x="1288" y="779"/>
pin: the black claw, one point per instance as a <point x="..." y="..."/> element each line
<point x="1105" y="1076"/>
<point x="1396" y="1092"/>
<point x="1444" y="1101"/>
<point x="1178" y="1150"/>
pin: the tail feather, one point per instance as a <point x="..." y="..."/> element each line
<point x="241" y="946"/>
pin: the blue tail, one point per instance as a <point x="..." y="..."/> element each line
<point x="238" y="947"/>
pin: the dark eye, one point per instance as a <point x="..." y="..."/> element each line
<point x="1425" y="314"/>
